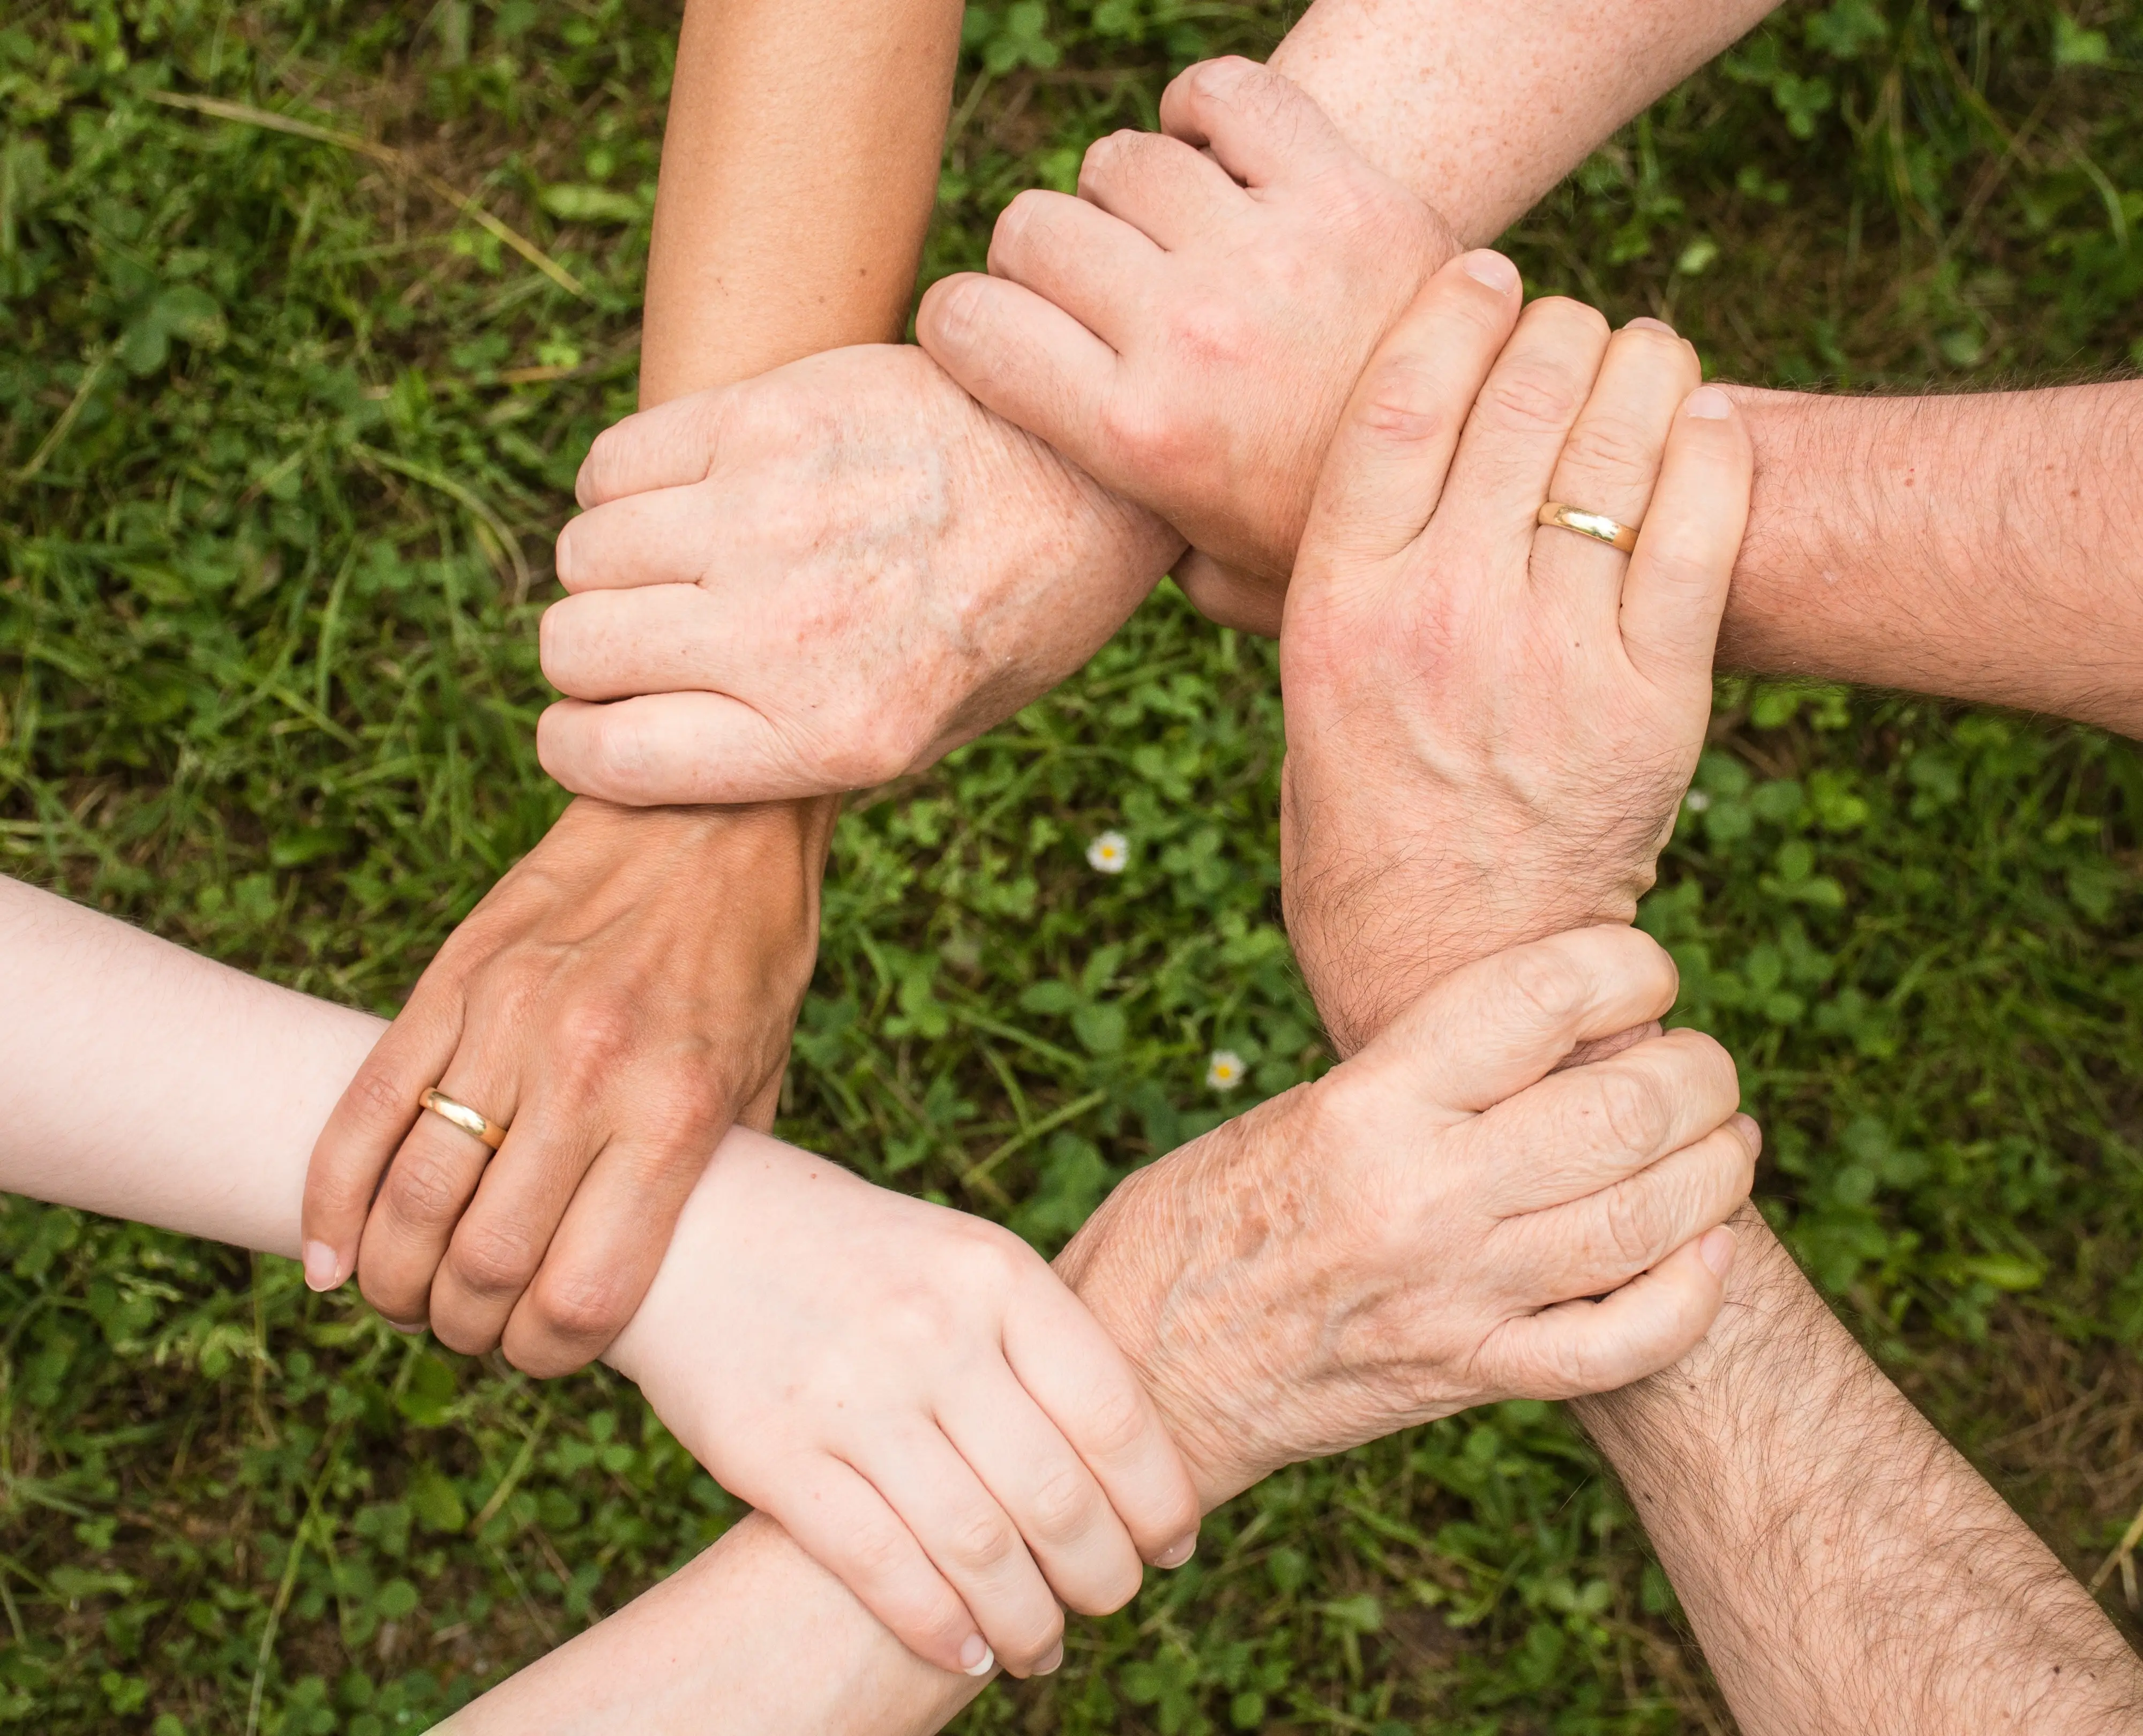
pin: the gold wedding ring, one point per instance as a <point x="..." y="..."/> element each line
<point x="473" y="1122"/>
<point x="1598" y="526"/>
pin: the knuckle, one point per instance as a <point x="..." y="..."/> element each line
<point x="1630" y="1103"/>
<point x="1627" y="1228"/>
<point x="1548" y="987"/>
<point x="424" y="1189"/>
<point x="1063" y="1504"/>
<point x="1399" y="402"/>
<point x="878" y="1553"/>
<point x="1114" y="1418"/>
<point x="380" y="1100"/>
<point x="1531" y="394"/>
<point x="491" y="1261"/>
<point x="1611" y="444"/>
<point x="980" y="1541"/>
<point x="580" y="1307"/>
<point x="592" y="1035"/>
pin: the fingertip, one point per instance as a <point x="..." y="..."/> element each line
<point x="949" y="311"/>
<point x="1708" y="403"/>
<point x="1487" y="266"/>
<point x="1750" y="1132"/>
<point x="1178" y="1552"/>
<point x="1715" y="1248"/>
<point x="976" y="1658"/>
<point x="325" y="1267"/>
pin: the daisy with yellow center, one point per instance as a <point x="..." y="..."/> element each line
<point x="1225" y="1071"/>
<point x="1111" y="853"/>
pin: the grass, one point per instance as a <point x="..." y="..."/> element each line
<point x="285" y="427"/>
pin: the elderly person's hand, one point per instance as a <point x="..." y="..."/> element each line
<point x="819" y="580"/>
<point x="1440" y="1222"/>
<point x="1491" y="721"/>
<point x="1188" y="329"/>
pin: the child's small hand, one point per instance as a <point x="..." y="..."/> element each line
<point x="1188" y="329"/>
<point x="917" y="1398"/>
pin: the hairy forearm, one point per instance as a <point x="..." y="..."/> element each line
<point x="1481" y="109"/>
<point x="1986" y="548"/>
<point x="799" y="167"/>
<point x="1845" y="1569"/>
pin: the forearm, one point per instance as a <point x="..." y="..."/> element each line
<point x="1844" y="1569"/>
<point x="799" y="167"/>
<point x="1482" y="108"/>
<point x="1985" y="547"/>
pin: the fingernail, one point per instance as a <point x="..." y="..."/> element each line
<point x="1708" y="403"/>
<point x="413" y="1328"/>
<point x="562" y="562"/>
<point x="1645" y="322"/>
<point x="1747" y="1127"/>
<point x="1054" y="1662"/>
<point x="1485" y="265"/>
<point x="1716" y="1250"/>
<point x="976" y="1657"/>
<point x="1178" y="1552"/>
<point x="323" y="1266"/>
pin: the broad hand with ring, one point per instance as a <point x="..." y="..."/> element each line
<point x="1516" y="565"/>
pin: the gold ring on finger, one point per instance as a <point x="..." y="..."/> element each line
<point x="1598" y="526"/>
<point x="471" y="1121"/>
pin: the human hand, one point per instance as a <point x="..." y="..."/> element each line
<point x="1491" y="723"/>
<point x="1187" y="330"/>
<point x="618" y="999"/>
<point x="919" y="1401"/>
<point x="819" y="580"/>
<point x="1420" y="1231"/>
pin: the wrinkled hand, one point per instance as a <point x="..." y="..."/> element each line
<point x="1419" y="1230"/>
<point x="1491" y="724"/>
<point x="1188" y="329"/>
<point x="819" y="580"/>
<point x="621" y="997"/>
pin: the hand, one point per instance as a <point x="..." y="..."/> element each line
<point x="1419" y="1230"/>
<point x="618" y="999"/>
<point x="1188" y="329"/>
<point x="922" y="1405"/>
<point x="819" y="580"/>
<point x="1491" y="724"/>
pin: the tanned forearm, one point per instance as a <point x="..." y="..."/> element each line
<point x="799" y="169"/>
<point x="1847" y="1572"/>
<point x="1986" y="548"/>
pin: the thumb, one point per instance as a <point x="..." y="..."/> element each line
<point x="1228" y="596"/>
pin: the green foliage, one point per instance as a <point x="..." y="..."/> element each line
<point x="280" y="432"/>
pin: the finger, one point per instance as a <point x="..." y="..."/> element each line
<point x="430" y="1183"/>
<point x="1494" y="1027"/>
<point x="1611" y="460"/>
<point x="658" y="538"/>
<point x="970" y="1538"/>
<point x="667" y="446"/>
<point x="610" y="1240"/>
<point x="1168" y="190"/>
<point x="1229" y="597"/>
<point x="1086" y="1388"/>
<point x="1020" y="354"/>
<point x="1583" y="1128"/>
<point x="1518" y="425"/>
<point x="1676" y="592"/>
<point x="1262" y="128"/>
<point x="1650" y="1323"/>
<point x="845" y="1525"/>
<point x="1384" y="471"/>
<point x="614" y="645"/>
<point x="369" y="1122"/>
<point x="1096" y="267"/>
<point x="1023" y="1460"/>
<point x="497" y="1243"/>
<point x="1597" y="1244"/>
<point x="678" y="750"/>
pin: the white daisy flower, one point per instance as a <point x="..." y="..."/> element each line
<point x="1111" y="853"/>
<point x="1225" y="1071"/>
<point x="1696" y="801"/>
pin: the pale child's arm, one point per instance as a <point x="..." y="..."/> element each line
<point x="146" y="1082"/>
